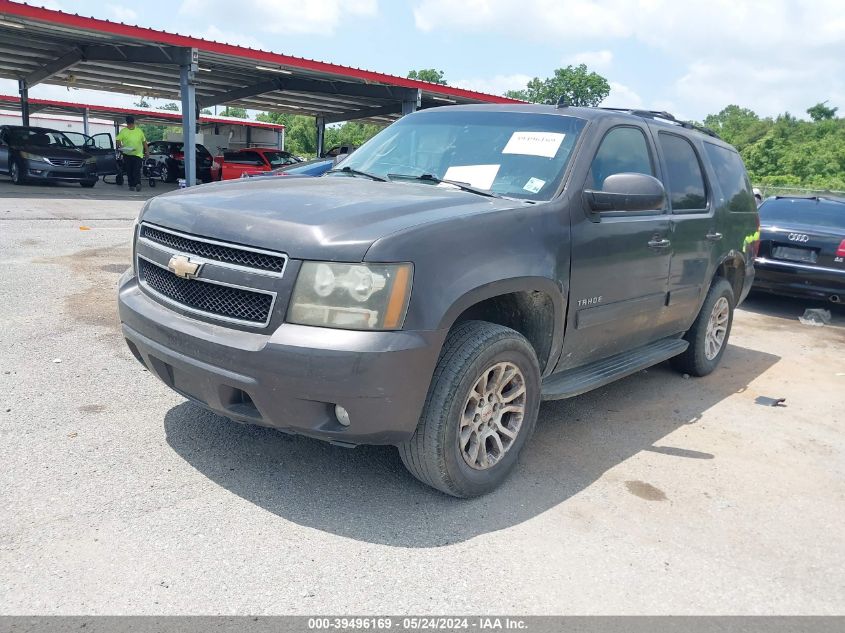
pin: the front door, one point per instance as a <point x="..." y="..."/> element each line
<point x="620" y="260"/>
<point x="4" y="152"/>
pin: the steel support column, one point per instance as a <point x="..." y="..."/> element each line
<point x="321" y="134"/>
<point x="187" y="71"/>
<point x="411" y="102"/>
<point x="85" y="125"/>
<point x="23" y="90"/>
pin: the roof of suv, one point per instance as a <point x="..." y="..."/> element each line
<point x="664" y="119"/>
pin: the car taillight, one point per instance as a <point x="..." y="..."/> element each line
<point x="840" y="252"/>
<point x="177" y="156"/>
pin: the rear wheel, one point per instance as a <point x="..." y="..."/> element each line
<point x="165" y="174"/>
<point x="481" y="409"/>
<point x="16" y="173"/>
<point x="708" y="336"/>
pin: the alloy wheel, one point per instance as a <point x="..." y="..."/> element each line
<point x="717" y="328"/>
<point x="492" y="415"/>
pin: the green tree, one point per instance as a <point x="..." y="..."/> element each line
<point x="428" y="74"/>
<point x="577" y="84"/>
<point x="820" y="112"/>
<point x="142" y="103"/>
<point x="206" y="111"/>
<point x="172" y="107"/>
<point x="238" y="113"/>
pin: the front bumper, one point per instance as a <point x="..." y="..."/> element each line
<point x="290" y="379"/>
<point x="798" y="280"/>
<point x="37" y="170"/>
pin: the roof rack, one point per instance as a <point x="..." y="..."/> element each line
<point x="659" y="114"/>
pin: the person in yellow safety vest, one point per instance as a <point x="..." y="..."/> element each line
<point x="133" y="144"/>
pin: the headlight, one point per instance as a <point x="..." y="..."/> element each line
<point x="351" y="296"/>
<point x="35" y="157"/>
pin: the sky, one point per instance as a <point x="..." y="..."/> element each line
<point x="688" y="57"/>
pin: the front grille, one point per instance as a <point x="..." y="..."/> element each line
<point x="216" y="252"/>
<point x="213" y="299"/>
<point x="65" y="162"/>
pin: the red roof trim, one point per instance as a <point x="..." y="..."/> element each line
<point x="142" y="112"/>
<point x="174" y="39"/>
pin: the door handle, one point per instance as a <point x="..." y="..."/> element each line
<point x="714" y="237"/>
<point x="659" y="243"/>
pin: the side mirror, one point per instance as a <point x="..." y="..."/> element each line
<point x="627" y="192"/>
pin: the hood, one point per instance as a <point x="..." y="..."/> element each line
<point x="331" y="218"/>
<point x="53" y="152"/>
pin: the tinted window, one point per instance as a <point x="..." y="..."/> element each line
<point x="803" y="212"/>
<point x="733" y="181"/>
<point x="684" y="180"/>
<point x="623" y="150"/>
<point x="38" y="137"/>
<point x="243" y="158"/>
<point x="156" y="148"/>
<point x="279" y="159"/>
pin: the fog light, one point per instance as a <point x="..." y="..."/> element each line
<point x="342" y="415"/>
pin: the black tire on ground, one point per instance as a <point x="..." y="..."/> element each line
<point x="694" y="360"/>
<point x="118" y="180"/>
<point x="165" y="174"/>
<point x="88" y="184"/>
<point x="433" y="454"/>
<point x="16" y="173"/>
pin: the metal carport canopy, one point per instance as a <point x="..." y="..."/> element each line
<point x="40" y="45"/>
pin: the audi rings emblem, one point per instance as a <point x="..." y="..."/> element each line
<point x="798" y="237"/>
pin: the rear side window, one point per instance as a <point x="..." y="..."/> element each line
<point x="243" y="158"/>
<point x="685" y="182"/>
<point x="732" y="178"/>
<point x="623" y="150"/>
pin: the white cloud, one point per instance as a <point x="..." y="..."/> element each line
<point x="280" y="17"/>
<point x="496" y="85"/>
<point x="595" y="60"/>
<point x="122" y="14"/>
<point x="621" y="96"/>
<point x="770" y="55"/>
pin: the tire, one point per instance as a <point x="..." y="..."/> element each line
<point x="15" y="172"/>
<point x="434" y="454"/>
<point x="118" y="179"/>
<point x="89" y="184"/>
<point x="698" y="359"/>
<point x="165" y="174"/>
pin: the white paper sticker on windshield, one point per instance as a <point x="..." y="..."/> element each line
<point x="534" y="143"/>
<point x="534" y="185"/>
<point x="481" y="176"/>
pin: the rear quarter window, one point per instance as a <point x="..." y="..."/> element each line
<point x="732" y="178"/>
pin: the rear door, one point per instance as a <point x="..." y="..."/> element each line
<point x="241" y="164"/>
<point x="620" y="261"/>
<point x="694" y="235"/>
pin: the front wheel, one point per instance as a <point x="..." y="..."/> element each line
<point x="708" y="336"/>
<point x="481" y="408"/>
<point x="16" y="173"/>
<point x="88" y="183"/>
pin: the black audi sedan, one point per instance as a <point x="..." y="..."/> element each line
<point x="37" y="154"/>
<point x="802" y="247"/>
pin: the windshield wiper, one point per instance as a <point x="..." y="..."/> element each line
<point x="357" y="172"/>
<point x="455" y="183"/>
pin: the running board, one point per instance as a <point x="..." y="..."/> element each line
<point x="574" y="382"/>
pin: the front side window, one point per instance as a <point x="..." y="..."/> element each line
<point x="622" y="150"/>
<point x="684" y="180"/>
<point x="278" y="159"/>
<point x="513" y="154"/>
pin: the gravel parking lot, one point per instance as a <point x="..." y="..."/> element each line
<point x="656" y="494"/>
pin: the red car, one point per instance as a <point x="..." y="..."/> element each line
<point x="253" y="160"/>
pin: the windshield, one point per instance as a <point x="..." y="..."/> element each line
<point x="515" y="154"/>
<point x="827" y="214"/>
<point x="77" y="138"/>
<point x="279" y="159"/>
<point x="38" y="137"/>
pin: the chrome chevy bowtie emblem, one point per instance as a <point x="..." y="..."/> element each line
<point x="183" y="267"/>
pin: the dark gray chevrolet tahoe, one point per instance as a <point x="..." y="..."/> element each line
<point x="460" y="267"/>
